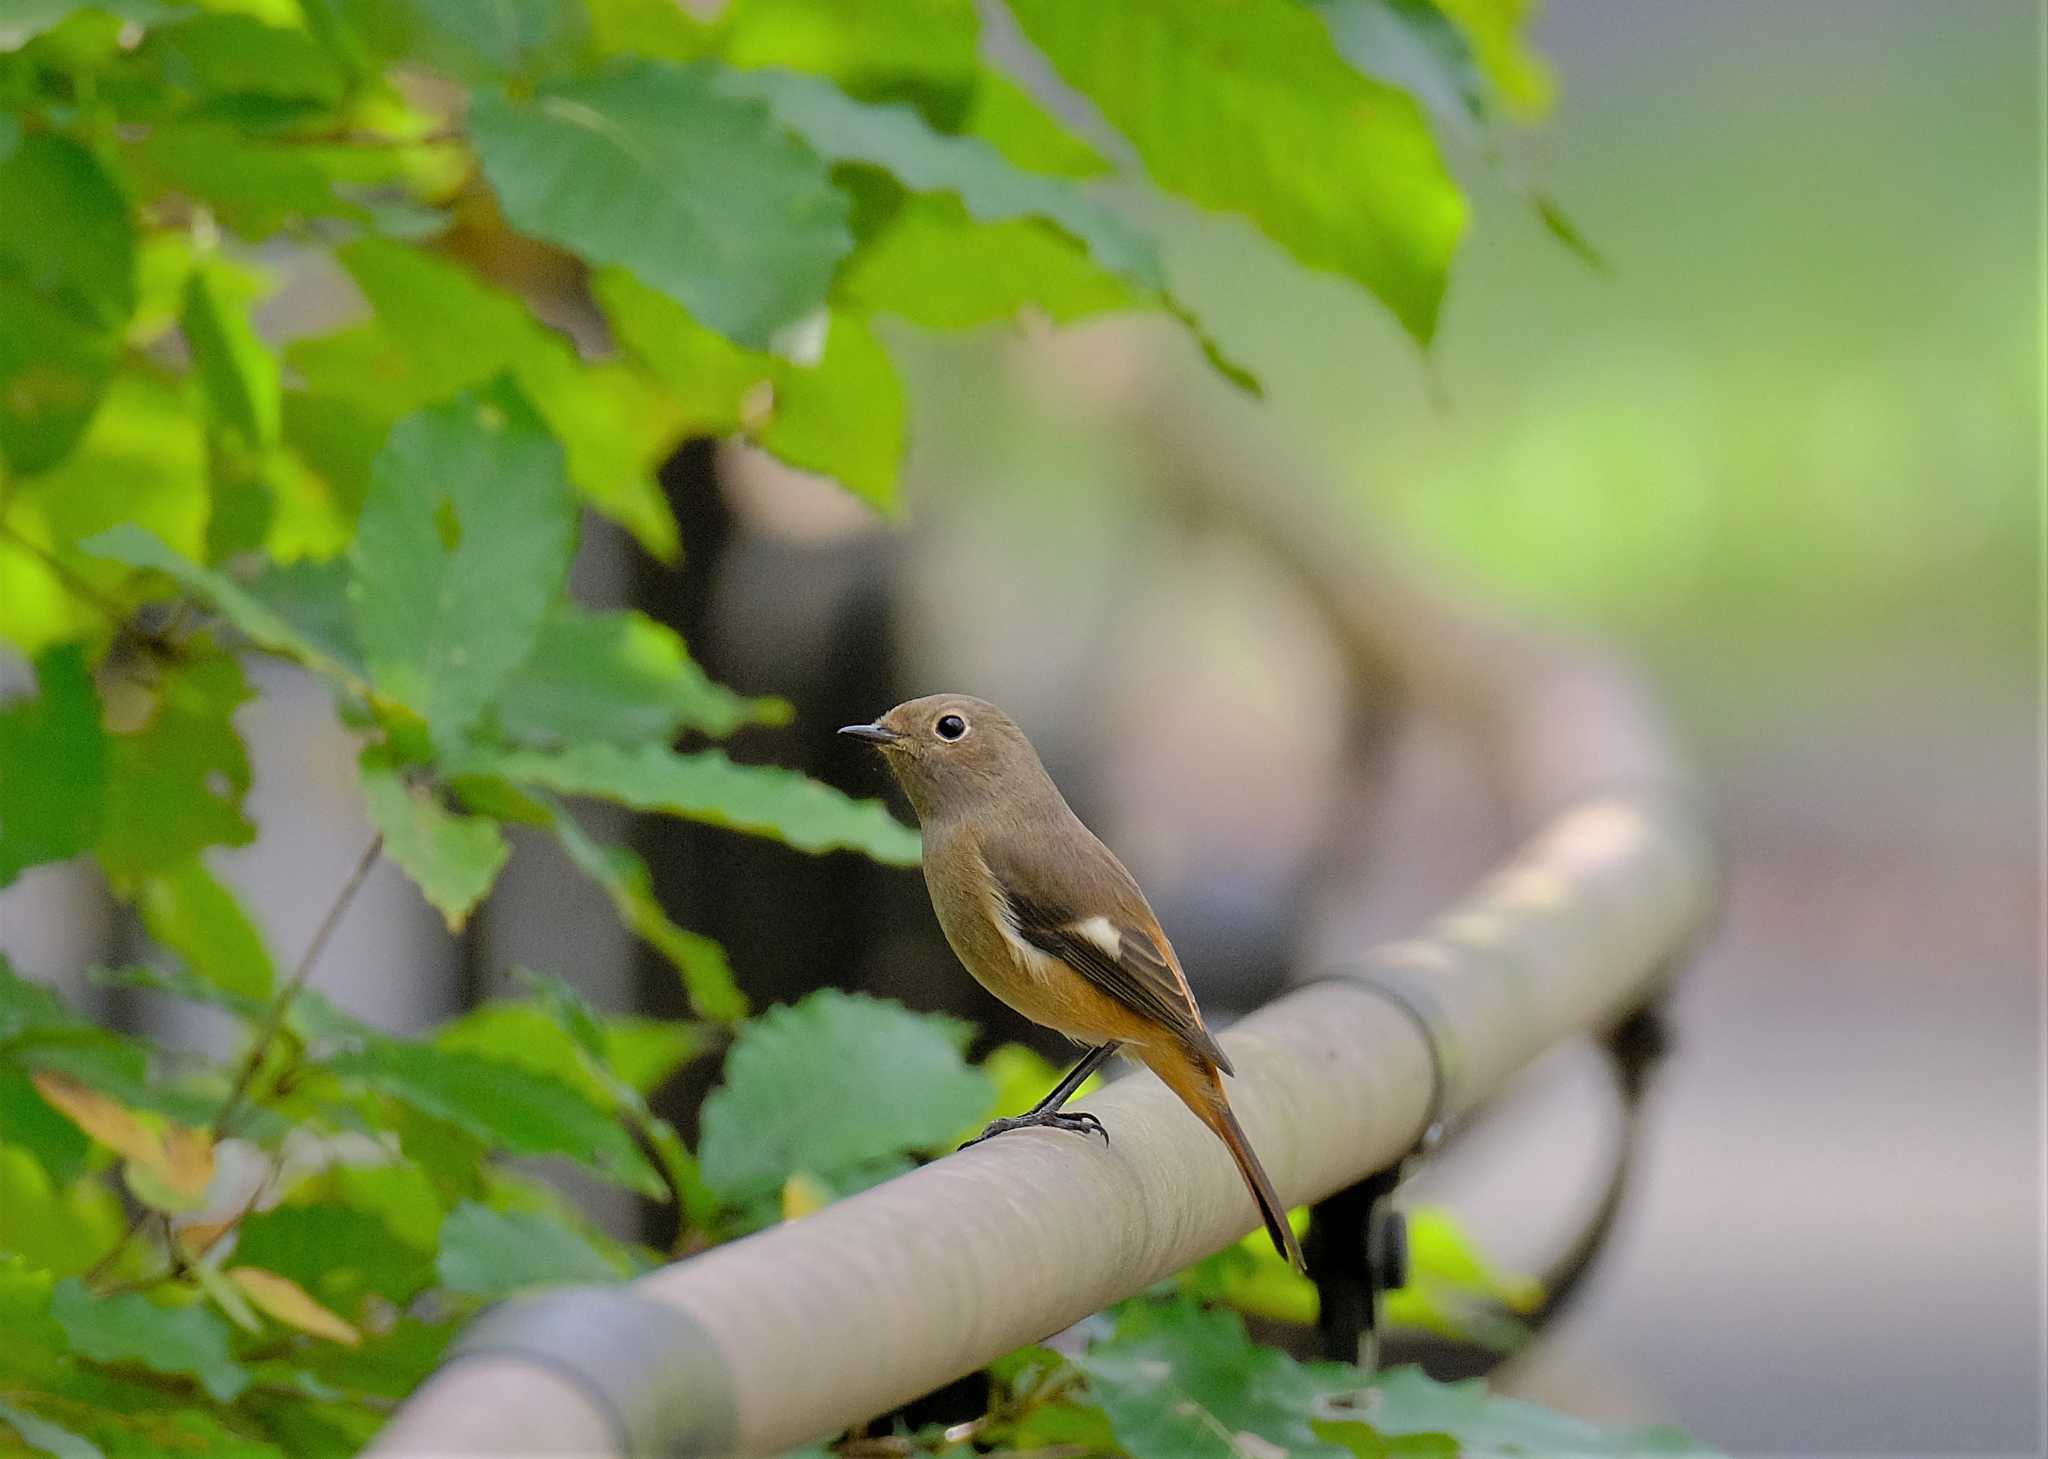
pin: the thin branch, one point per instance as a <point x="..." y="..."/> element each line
<point x="273" y="1020"/>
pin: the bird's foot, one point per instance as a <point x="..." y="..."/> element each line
<point x="1079" y="1121"/>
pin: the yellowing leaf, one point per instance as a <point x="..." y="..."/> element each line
<point x="100" y="1117"/>
<point x="802" y="1194"/>
<point x="177" y="1157"/>
<point x="288" y="1302"/>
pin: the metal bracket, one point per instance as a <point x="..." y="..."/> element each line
<point x="650" y="1369"/>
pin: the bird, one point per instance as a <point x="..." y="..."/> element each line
<point x="1045" y="917"/>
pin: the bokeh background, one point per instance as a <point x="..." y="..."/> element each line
<point x="1782" y="451"/>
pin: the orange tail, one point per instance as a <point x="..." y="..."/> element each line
<point x="1201" y="1090"/>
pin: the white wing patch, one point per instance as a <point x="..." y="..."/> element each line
<point x="1102" y="932"/>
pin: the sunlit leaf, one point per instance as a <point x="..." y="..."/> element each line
<point x="66" y="233"/>
<point x="489" y="1253"/>
<point x="438" y="329"/>
<point x="131" y="1329"/>
<point x="452" y="858"/>
<point x="463" y="544"/>
<point x="56" y="1228"/>
<point x="289" y="1303"/>
<point x="831" y="1083"/>
<point x="53" y="811"/>
<point x="766" y="800"/>
<point x="655" y="167"/>
<point x="1210" y="94"/>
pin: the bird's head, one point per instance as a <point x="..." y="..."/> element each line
<point x="954" y="754"/>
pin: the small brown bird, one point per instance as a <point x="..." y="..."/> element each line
<point x="1048" y="920"/>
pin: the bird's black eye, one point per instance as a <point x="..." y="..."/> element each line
<point x="950" y="727"/>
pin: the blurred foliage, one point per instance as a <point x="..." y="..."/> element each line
<point x="260" y="1256"/>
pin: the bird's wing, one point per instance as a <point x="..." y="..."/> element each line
<point x="1089" y="913"/>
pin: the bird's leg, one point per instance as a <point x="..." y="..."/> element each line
<point x="1048" y="1112"/>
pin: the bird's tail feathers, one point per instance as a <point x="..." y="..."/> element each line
<point x="1201" y="1089"/>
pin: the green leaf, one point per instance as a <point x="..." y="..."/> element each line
<point x="311" y="600"/>
<point x="831" y="1083"/>
<point x="764" y="800"/>
<point x="1494" y="29"/>
<point x="28" y="1121"/>
<point x="899" y="141"/>
<point x="66" y="233"/>
<point x="1407" y="1402"/>
<point x="45" y="1437"/>
<point x="1211" y="94"/>
<point x="133" y="1329"/>
<point x="235" y="366"/>
<point x="645" y="1053"/>
<point x="53" y="372"/>
<point x="338" y="1254"/>
<point x="502" y="38"/>
<point x="620" y="677"/>
<point x="919" y="51"/>
<point x="530" y="1037"/>
<point x="452" y="858"/>
<point x="1411" y="44"/>
<point x="58" y="1229"/>
<point x="707" y="976"/>
<point x="842" y="416"/>
<point x="218" y="57"/>
<point x="175" y="786"/>
<point x="488" y="1253"/>
<point x="264" y="624"/>
<point x="256" y="188"/>
<point x="657" y="168"/>
<point x="188" y="910"/>
<point x="439" y="330"/>
<point x="935" y="266"/>
<point x="521" y="1112"/>
<point x="53" y="793"/>
<point x="1181" y="1382"/>
<point x="463" y="544"/>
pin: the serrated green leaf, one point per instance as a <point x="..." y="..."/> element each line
<point x="452" y="858"/>
<point x="707" y="976"/>
<point x="1179" y="1382"/>
<point x="190" y="912"/>
<point x="764" y="800"/>
<point x="620" y="677"/>
<point x="132" y="1329"/>
<point x="439" y="329"/>
<point x="1210" y="94"/>
<point x="264" y="624"/>
<point x="487" y="1253"/>
<point x="44" y="1437"/>
<point x="832" y="1083"/>
<point x="237" y="369"/>
<point x="527" y="1036"/>
<point x="1408" y="1402"/>
<point x="521" y="1112"/>
<point x="53" y="793"/>
<point x="441" y="622"/>
<point x="657" y="168"/>
<point x="175" y="786"/>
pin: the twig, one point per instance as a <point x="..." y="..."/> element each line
<point x="273" y="1020"/>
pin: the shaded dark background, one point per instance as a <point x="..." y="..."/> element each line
<point x="1783" y="453"/>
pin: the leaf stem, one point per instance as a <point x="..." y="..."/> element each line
<point x="273" y="1019"/>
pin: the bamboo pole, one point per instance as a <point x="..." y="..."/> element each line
<point x="802" y="1329"/>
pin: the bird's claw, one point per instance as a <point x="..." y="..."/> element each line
<point x="1079" y="1121"/>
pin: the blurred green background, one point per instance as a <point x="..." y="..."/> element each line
<point x="1784" y="451"/>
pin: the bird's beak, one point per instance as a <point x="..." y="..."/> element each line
<point x="873" y="733"/>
